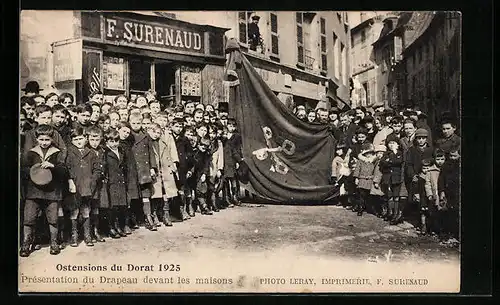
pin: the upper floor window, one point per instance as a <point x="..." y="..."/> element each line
<point x="274" y="34"/>
<point x="249" y="31"/>
<point x="303" y="28"/>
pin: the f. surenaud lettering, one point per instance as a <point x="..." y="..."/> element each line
<point x="145" y="33"/>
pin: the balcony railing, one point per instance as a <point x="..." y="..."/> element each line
<point x="308" y="61"/>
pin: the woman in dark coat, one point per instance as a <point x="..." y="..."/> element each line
<point x="116" y="173"/>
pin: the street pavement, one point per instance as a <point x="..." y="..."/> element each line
<point x="317" y="231"/>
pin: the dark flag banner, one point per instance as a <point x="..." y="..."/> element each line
<point x="289" y="161"/>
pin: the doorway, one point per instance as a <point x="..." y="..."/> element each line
<point x="165" y="81"/>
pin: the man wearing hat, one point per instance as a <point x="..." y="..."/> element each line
<point x="421" y="122"/>
<point x="32" y="88"/>
<point x="378" y="107"/>
<point x="254" y="38"/>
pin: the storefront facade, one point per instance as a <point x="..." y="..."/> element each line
<point x="129" y="53"/>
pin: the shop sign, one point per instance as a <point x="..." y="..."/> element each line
<point x="92" y="73"/>
<point x="67" y="60"/>
<point x="148" y="34"/>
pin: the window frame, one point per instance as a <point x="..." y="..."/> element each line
<point x="273" y="34"/>
<point x="298" y="25"/>
<point x="247" y="15"/>
<point x="334" y="52"/>
<point x="322" y="35"/>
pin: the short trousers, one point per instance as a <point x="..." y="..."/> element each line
<point x="33" y="207"/>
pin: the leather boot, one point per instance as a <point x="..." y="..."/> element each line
<point x="27" y="241"/>
<point x="204" y="207"/>
<point x="150" y="223"/>
<point x="184" y="215"/>
<point x="190" y="206"/>
<point x="126" y="228"/>
<point x="156" y="221"/>
<point x="111" y="224"/>
<point x="118" y="226"/>
<point x="61" y="237"/>
<point x="54" y="246"/>
<point x="74" y="233"/>
<point x="91" y="228"/>
<point x="133" y="220"/>
<point x="87" y="238"/>
<point x="390" y="210"/>
<point x="166" y="218"/>
<point x="228" y="196"/>
<point x="213" y="204"/>
<point x="95" y="229"/>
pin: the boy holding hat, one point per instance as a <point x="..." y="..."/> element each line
<point x="44" y="164"/>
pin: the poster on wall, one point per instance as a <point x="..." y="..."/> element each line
<point x="114" y="72"/>
<point x="211" y="82"/>
<point x="190" y="81"/>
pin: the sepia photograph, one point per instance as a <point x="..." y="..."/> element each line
<point x="239" y="151"/>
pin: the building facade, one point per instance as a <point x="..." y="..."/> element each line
<point x="302" y="56"/>
<point x="432" y="64"/>
<point x="363" y="67"/>
<point x="122" y="53"/>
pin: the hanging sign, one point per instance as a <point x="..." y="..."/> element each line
<point x="67" y="60"/>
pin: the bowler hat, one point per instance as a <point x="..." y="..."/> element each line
<point x="255" y="17"/>
<point x="421" y="133"/>
<point x="223" y="107"/>
<point x="32" y="86"/>
<point x="40" y="176"/>
<point x="377" y="105"/>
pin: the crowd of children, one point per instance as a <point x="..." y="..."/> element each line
<point x="100" y="169"/>
<point x="386" y="163"/>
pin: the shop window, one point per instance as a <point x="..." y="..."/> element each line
<point x="140" y="75"/>
<point x="114" y="75"/>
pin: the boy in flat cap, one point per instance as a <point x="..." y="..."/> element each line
<point x="413" y="166"/>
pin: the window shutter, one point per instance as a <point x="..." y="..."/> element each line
<point x="243" y="22"/>
<point x="274" y="35"/>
